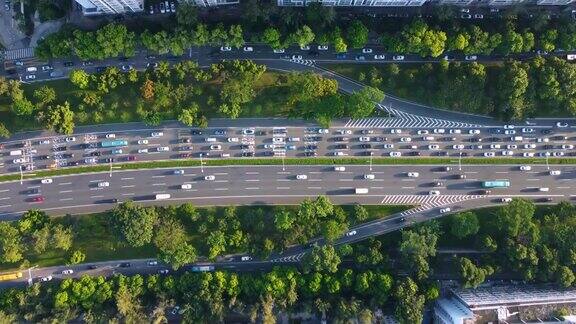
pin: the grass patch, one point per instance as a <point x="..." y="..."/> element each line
<point x="289" y="161"/>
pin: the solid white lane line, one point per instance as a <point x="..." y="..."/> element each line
<point x="159" y="184"/>
<point x="221" y="181"/>
<point x="64" y="199"/>
<point x="221" y="189"/>
<point x="126" y="178"/>
<point x="315" y="180"/>
<point x="345" y="179"/>
<point x="532" y="179"/>
<point x="410" y="180"/>
<point x="314" y="172"/>
<point x="408" y="187"/>
<point x="65" y="191"/>
<point x="4" y="198"/>
<point x="130" y="186"/>
<point x="128" y="194"/>
<point x="345" y="188"/>
<point x="65" y="183"/>
<point x="501" y="172"/>
<point x="252" y="172"/>
<point x="159" y="176"/>
<point x="221" y="173"/>
<point x="252" y="188"/>
<point x="282" y="188"/>
<point x="32" y="187"/>
<point x="283" y="172"/>
<point x="315" y="188"/>
<point x="282" y="179"/>
<point x="376" y="187"/>
<point x="4" y="190"/>
<point x="5" y="206"/>
<point x="470" y="172"/>
<point x="563" y="187"/>
<point x="99" y="196"/>
<point x="252" y="180"/>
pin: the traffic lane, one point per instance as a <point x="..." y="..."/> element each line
<point x="273" y="185"/>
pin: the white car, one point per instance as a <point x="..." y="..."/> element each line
<point x="225" y="48"/>
<point x="555" y="172"/>
<point x="67" y="271"/>
<point x="89" y="160"/>
<point x="507" y="153"/>
<point x="543" y="140"/>
<point x="495" y="146"/>
<point x="339" y="168"/>
<point x="351" y="233"/>
<point x="142" y="142"/>
<point x="301" y="177"/>
<point x="388" y="146"/>
<point x="323" y="131"/>
<point x="528" y="154"/>
<point x="506" y="200"/>
<point x="110" y="135"/>
<point x="509" y="132"/>
<point x="527" y="130"/>
<point x="216" y="147"/>
<point x="474" y="132"/>
<point x="46" y="279"/>
<point x="71" y="139"/>
<point x="145" y="150"/>
<point x="367" y="50"/>
<point x="544" y="189"/>
<point x="508" y="126"/>
<point x="233" y="139"/>
<point x="246" y="258"/>
<point x="248" y="131"/>
<point x="339" y="153"/>
<point x="19" y="160"/>
<point x="489" y="154"/>
<point x="458" y="146"/>
<point x="344" y="131"/>
<point x="186" y="186"/>
<point x="379" y="57"/>
<point x="278" y="140"/>
<point x="557" y="153"/>
<point x="433" y="192"/>
<point x="396" y="131"/>
<point x="561" y="124"/>
<point x="413" y="174"/>
<point x="364" y="139"/>
<point x="445" y="210"/>
<point x="322" y="47"/>
<point x="398" y="57"/>
<point x="305" y="48"/>
<point x="296" y="57"/>
<point x="45" y="141"/>
<point x="529" y="146"/>
<point x="567" y="146"/>
<point x="248" y="49"/>
<point x="279" y="51"/>
<point x="209" y="178"/>
<point x="525" y="168"/>
<point x="103" y="184"/>
<point x="423" y="132"/>
<point x="405" y="139"/>
<point x="395" y="154"/>
<point x="511" y="146"/>
<point x="428" y="138"/>
<point x="439" y="131"/>
<point x="470" y="57"/>
<point x="163" y="271"/>
<point x="46" y="181"/>
<point x="369" y="177"/>
<point x="433" y="147"/>
<point x="157" y="134"/>
<point x="455" y="131"/>
<point x="163" y="149"/>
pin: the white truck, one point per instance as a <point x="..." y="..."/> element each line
<point x="162" y="196"/>
<point x="360" y="191"/>
<point x="16" y="153"/>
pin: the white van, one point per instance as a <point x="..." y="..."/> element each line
<point x="544" y="189"/>
<point x="162" y="196"/>
<point x="17" y="152"/>
<point x="211" y="139"/>
<point x="516" y="138"/>
<point x="294" y="139"/>
<point x="361" y="191"/>
<point x="31" y="69"/>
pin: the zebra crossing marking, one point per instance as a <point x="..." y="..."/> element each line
<point x="20" y="53"/>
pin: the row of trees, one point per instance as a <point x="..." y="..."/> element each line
<point x="515" y="90"/>
<point x="204" y="297"/>
<point x="31" y="236"/>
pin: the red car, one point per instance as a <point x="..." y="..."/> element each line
<point x="37" y="199"/>
<point x="185" y="155"/>
<point x="131" y="158"/>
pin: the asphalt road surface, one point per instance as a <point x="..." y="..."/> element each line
<point x="300" y="140"/>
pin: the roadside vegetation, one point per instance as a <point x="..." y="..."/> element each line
<point x="510" y="91"/>
<point x="176" y="235"/>
<point x="517" y="240"/>
<point x="182" y="91"/>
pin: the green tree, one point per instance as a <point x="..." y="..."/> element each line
<point x="77" y="257"/>
<point x="32" y="220"/>
<point x="4" y="132"/>
<point x="216" y="244"/>
<point x="515" y="217"/>
<point x="44" y="96"/>
<point x="10" y="243"/>
<point x="80" y="78"/>
<point x="236" y="37"/>
<point x="357" y="34"/>
<point x="62" y="237"/>
<point x="511" y="87"/>
<point x="464" y="224"/>
<point x="322" y="258"/>
<point x="547" y="40"/>
<point x="565" y="277"/>
<point x="360" y="213"/>
<point x="284" y="220"/>
<point x="187" y="15"/>
<point x="23" y="107"/>
<point x="410" y="303"/>
<point x="471" y="275"/>
<point x="135" y="223"/>
<point x="60" y="118"/>
<point x="332" y="230"/>
<point x="415" y="248"/>
<point x="361" y="103"/>
<point x="302" y="36"/>
<point x="41" y="239"/>
<point x="188" y="115"/>
<point x="171" y="240"/>
<point x="271" y="36"/>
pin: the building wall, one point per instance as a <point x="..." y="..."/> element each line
<point x="355" y="3"/>
<point x="554" y="2"/>
<point x="212" y="3"/>
<point x="103" y="7"/>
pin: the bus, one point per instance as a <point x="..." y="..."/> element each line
<point x="202" y="268"/>
<point x="115" y="143"/>
<point x="496" y="184"/>
<point x="10" y="276"/>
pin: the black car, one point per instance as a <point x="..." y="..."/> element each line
<point x="313" y="53"/>
<point x="437" y="184"/>
<point x="414" y="153"/>
<point x="43" y="157"/>
<point x="60" y="148"/>
<point x="341" y="147"/>
<point x="441" y="153"/>
<point x="365" y="146"/>
<point x="69" y="63"/>
<point x="220" y="132"/>
<point x="267" y="153"/>
<point x="244" y="146"/>
<point x="67" y="155"/>
<point x="545" y="199"/>
<point x="195" y="132"/>
<point x="464" y="154"/>
<point x="559" y="138"/>
<point x="314" y="138"/>
<point x="72" y="163"/>
<point x="548" y="147"/>
<point x="260" y="133"/>
<point x="311" y="147"/>
<point x="546" y="131"/>
<point x="496" y="131"/>
<point x="30" y="191"/>
<point x="109" y="160"/>
<point x="101" y="69"/>
<point x="125" y="265"/>
<point x="92" y="267"/>
<point x="95" y="153"/>
<point x="367" y="153"/>
<point x="381" y="139"/>
<point x="87" y="63"/>
<point x="84" y="146"/>
<point x="185" y="140"/>
<point x="248" y="154"/>
<point x="310" y="153"/>
<point x="475" y="139"/>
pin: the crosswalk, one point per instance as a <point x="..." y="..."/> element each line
<point x="304" y="62"/>
<point x="404" y="120"/>
<point x="18" y="54"/>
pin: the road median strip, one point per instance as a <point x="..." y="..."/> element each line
<point x="289" y="161"/>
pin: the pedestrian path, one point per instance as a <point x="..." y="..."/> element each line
<point x="404" y="120"/>
<point x="18" y="54"/>
<point x="424" y="202"/>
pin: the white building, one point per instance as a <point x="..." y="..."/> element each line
<point x="553" y="2"/>
<point x="355" y="3"/>
<point x="110" y="7"/>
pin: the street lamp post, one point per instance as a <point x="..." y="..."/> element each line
<point x="370" y="162"/>
<point x="110" y="168"/>
<point x="283" y="164"/>
<point x="201" y="164"/>
<point x="30" y="274"/>
<point x="459" y="161"/>
<point x="547" y="165"/>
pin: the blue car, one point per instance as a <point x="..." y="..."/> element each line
<point x="341" y="56"/>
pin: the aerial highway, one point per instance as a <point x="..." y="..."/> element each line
<point x="133" y="144"/>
